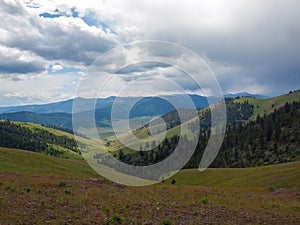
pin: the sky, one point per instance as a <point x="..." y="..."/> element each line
<point x="47" y="47"/>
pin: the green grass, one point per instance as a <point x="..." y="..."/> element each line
<point x="91" y="144"/>
<point x="45" y="186"/>
<point x="267" y="106"/>
<point x="261" y="107"/>
<point x="143" y="132"/>
<point x="282" y="175"/>
<point x="285" y="175"/>
<point x="40" y="164"/>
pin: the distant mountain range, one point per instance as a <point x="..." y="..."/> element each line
<point x="245" y="94"/>
<point x="59" y="114"/>
<point x="156" y="102"/>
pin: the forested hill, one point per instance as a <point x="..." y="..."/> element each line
<point x="38" y="139"/>
<point x="270" y="139"/>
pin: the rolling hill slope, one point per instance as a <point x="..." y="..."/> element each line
<point x="285" y="175"/>
<point x="267" y="106"/>
<point x="270" y="139"/>
<point x="240" y="109"/>
<point x="38" y="138"/>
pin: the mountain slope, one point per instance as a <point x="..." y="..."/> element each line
<point x="267" y="106"/>
<point x="53" y="119"/>
<point x="270" y="139"/>
<point x="34" y="137"/>
<point x="238" y="110"/>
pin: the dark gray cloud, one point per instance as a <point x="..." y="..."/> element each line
<point x="20" y="67"/>
<point x="142" y="67"/>
<point x="64" y="38"/>
<point x="15" y="61"/>
<point x="260" y="38"/>
<point x="250" y="45"/>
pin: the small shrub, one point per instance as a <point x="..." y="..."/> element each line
<point x="273" y="188"/>
<point x="10" y="188"/>
<point x="204" y="200"/>
<point x="173" y="181"/>
<point x="106" y="209"/>
<point x="43" y="203"/>
<point x="276" y="206"/>
<point x="62" y="184"/>
<point x="296" y="208"/>
<point x="28" y="189"/>
<point x="114" y="219"/>
<point x="39" y="191"/>
<point x="166" y="222"/>
<point x="135" y="222"/>
<point x="67" y="191"/>
<point x="1" y="183"/>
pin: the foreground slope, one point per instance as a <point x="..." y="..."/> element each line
<point x="286" y="175"/>
<point x="52" y="190"/>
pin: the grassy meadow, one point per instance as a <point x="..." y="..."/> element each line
<point x="41" y="189"/>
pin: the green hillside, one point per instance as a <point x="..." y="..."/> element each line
<point x="38" y="138"/>
<point x="53" y="119"/>
<point x="238" y="109"/>
<point x="32" y="163"/>
<point x="270" y="139"/>
<point x="267" y="106"/>
<point x="285" y="175"/>
<point x="235" y="112"/>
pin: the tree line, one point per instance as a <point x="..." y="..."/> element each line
<point x="14" y="135"/>
<point x="269" y="139"/>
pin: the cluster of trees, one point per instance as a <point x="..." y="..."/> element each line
<point x="144" y="158"/>
<point x="14" y="135"/>
<point x="155" y="155"/>
<point x="235" y="112"/>
<point x="270" y="139"/>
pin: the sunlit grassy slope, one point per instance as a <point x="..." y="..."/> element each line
<point x="282" y="175"/>
<point x="267" y="106"/>
<point x="66" y="153"/>
<point x="40" y="164"/>
<point x="261" y="107"/>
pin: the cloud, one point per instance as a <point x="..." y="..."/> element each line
<point x="261" y="38"/>
<point x="63" y="38"/>
<point x="56" y="68"/>
<point x="37" y="89"/>
<point x="250" y="45"/>
<point x="13" y="60"/>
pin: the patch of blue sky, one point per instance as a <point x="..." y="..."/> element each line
<point x="49" y="15"/>
<point x="62" y="70"/>
<point x="89" y="18"/>
<point x="57" y="13"/>
<point x="92" y="20"/>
